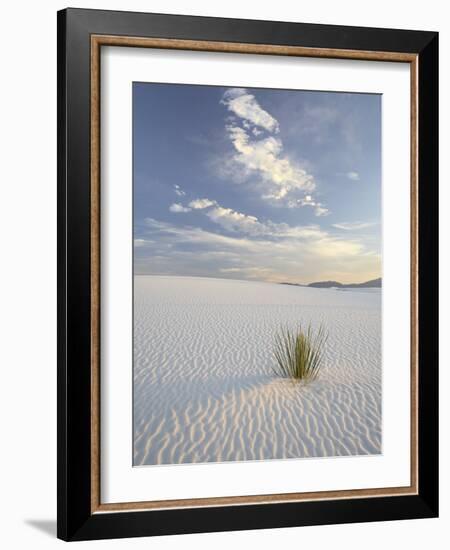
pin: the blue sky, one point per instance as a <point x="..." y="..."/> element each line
<point x="262" y="184"/>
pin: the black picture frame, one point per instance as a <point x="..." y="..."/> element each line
<point x="76" y="521"/>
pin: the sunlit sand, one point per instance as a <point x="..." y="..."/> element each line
<point x="204" y="390"/>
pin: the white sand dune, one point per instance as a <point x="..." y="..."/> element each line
<point x="204" y="390"/>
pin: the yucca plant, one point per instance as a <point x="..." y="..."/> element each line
<point x="299" y="353"/>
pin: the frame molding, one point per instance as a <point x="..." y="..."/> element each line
<point x="81" y="34"/>
<point x="97" y="41"/>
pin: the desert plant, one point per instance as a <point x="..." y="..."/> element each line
<point x="299" y="353"/>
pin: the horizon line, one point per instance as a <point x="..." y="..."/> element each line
<point x="324" y="280"/>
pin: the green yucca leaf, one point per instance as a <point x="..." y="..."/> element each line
<point x="299" y="354"/>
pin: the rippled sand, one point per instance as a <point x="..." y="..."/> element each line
<point x="203" y="386"/>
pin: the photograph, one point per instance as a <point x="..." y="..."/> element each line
<point x="257" y="274"/>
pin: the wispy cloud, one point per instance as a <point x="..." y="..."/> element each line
<point x="307" y="200"/>
<point x="354" y="176"/>
<point x="233" y="221"/>
<point x="350" y="226"/>
<point x="138" y="243"/>
<point x="244" y="105"/>
<point x="281" y="180"/>
<point x="320" y="210"/>
<point x="256" y="249"/>
<point x="192" y="235"/>
<point x="271" y="236"/>
<point x="238" y="222"/>
<point x="177" y="208"/>
<point x="200" y="204"/>
<point x="264" y="158"/>
<point x="179" y="191"/>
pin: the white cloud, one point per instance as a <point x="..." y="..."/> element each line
<point x="194" y="235"/>
<point x="138" y="243"/>
<point x="238" y="222"/>
<point x="177" y="208"/>
<point x="349" y="226"/>
<point x="244" y="105"/>
<point x="235" y="221"/>
<point x="354" y="176"/>
<point x="200" y="204"/>
<point x="263" y="250"/>
<point x="283" y="234"/>
<point x="319" y="208"/>
<point x="264" y="158"/>
<point x="179" y="191"/>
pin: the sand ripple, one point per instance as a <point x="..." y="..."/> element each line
<point x="203" y="386"/>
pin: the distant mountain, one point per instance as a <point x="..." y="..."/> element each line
<point x="374" y="283"/>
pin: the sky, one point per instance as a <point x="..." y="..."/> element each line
<point x="257" y="184"/>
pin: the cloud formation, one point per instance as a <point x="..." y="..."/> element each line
<point x="244" y="105"/>
<point x="264" y="158"/>
<point x="354" y="176"/>
<point x="307" y="200"/>
<point x="254" y="249"/>
<point x="177" y="208"/>
<point x="138" y="243"/>
<point x="199" y="204"/>
<point x="350" y="226"/>
<point x="234" y="221"/>
<point x="282" y="181"/>
<point x="179" y="191"/>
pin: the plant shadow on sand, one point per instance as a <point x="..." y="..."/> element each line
<point x="248" y="418"/>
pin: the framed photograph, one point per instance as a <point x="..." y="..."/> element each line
<point x="247" y="254"/>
